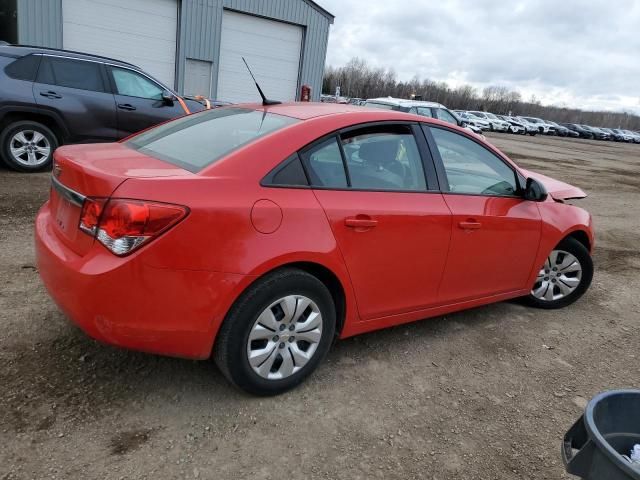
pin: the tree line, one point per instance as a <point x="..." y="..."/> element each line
<point x="359" y="80"/>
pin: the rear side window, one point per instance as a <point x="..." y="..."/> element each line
<point x="24" y="68"/>
<point x="65" y="72"/>
<point x="384" y="158"/>
<point x="382" y="106"/>
<point x="197" y="141"/>
<point x="323" y="162"/>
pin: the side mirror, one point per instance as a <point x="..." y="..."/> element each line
<point x="168" y="98"/>
<point x="535" y="191"/>
<point x="464" y="123"/>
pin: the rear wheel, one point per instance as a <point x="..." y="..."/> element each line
<point x="277" y="333"/>
<point x="564" y="278"/>
<point x="28" y="146"/>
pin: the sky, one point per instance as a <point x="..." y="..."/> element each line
<point x="583" y="54"/>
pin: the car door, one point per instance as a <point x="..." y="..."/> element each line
<point x="139" y="101"/>
<point x="391" y="224"/>
<point x="77" y="92"/>
<point x="495" y="232"/>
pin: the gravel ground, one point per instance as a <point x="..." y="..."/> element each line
<point x="482" y="394"/>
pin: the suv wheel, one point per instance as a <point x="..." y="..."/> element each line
<point x="28" y="146"/>
<point x="277" y="333"/>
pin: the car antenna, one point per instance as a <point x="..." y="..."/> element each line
<point x="265" y="100"/>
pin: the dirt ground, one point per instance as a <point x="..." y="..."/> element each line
<point x="483" y="394"/>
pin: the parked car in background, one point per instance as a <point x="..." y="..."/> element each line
<point x="530" y="128"/>
<point x="52" y="97"/>
<point x="615" y="136"/>
<point x="597" y="133"/>
<point x="561" y="130"/>
<point x="472" y="120"/>
<point x="514" y="125"/>
<point x="579" y="129"/>
<point x="542" y="126"/>
<point x="257" y="235"/>
<point x="495" y="124"/>
<point x="635" y="136"/>
<point x="420" y="107"/>
<point x="625" y="135"/>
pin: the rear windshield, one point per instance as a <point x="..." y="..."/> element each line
<point x="197" y="141"/>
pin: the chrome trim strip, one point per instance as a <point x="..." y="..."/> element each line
<point x="71" y="195"/>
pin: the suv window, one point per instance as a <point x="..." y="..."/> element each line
<point x="324" y="165"/>
<point x="424" y="111"/>
<point x="445" y="116"/>
<point x="24" y="68"/>
<point x="196" y="141"/>
<point x="384" y="158"/>
<point x="383" y="106"/>
<point x="64" y="72"/>
<point x="471" y="168"/>
<point x="133" y="84"/>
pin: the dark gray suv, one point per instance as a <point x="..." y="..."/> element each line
<point x="50" y="97"/>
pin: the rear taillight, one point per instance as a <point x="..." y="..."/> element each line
<point x="123" y="225"/>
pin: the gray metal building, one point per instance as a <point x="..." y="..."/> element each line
<point x="194" y="46"/>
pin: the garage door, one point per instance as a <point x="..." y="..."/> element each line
<point x="142" y="32"/>
<point x="272" y="50"/>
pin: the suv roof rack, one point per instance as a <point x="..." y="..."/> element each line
<point x="61" y="50"/>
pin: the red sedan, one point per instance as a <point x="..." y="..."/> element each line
<point x="256" y="234"/>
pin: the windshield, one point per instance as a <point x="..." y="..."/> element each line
<point x="492" y="116"/>
<point x="197" y="141"/>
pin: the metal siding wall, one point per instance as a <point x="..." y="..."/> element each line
<point x="202" y="24"/>
<point x="40" y="23"/>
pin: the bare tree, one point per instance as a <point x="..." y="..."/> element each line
<point x="358" y="79"/>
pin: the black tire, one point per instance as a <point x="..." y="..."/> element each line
<point x="580" y="252"/>
<point x="230" y="350"/>
<point x="6" y="139"/>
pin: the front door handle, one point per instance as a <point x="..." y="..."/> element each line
<point x="126" y="106"/>
<point x="50" y="94"/>
<point x="360" y="222"/>
<point x="470" y="225"/>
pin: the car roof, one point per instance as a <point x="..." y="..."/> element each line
<point x="23" y="50"/>
<point x="403" y="102"/>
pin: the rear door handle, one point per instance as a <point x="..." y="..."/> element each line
<point x="126" y="106"/>
<point x="50" y="94"/>
<point x="470" y="225"/>
<point x="360" y="222"/>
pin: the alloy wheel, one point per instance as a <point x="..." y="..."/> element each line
<point x="559" y="277"/>
<point x="30" y="148"/>
<point x="284" y="337"/>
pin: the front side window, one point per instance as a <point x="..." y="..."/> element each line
<point x="197" y="141"/>
<point x="471" y="168"/>
<point x="446" y="116"/>
<point x="65" y="72"/>
<point x="384" y="158"/>
<point x="133" y="84"/>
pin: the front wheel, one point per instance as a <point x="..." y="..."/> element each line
<point x="277" y="333"/>
<point x="564" y="278"/>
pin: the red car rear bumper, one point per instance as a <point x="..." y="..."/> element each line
<point x="128" y="303"/>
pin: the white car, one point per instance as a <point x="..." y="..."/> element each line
<point x="471" y="119"/>
<point x="494" y="122"/>
<point x="543" y="127"/>
<point x="426" y="109"/>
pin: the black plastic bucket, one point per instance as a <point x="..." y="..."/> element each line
<point x="610" y="427"/>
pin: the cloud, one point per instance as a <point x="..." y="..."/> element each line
<point x="577" y="53"/>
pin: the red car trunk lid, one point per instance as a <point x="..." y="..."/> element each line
<point x="94" y="171"/>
